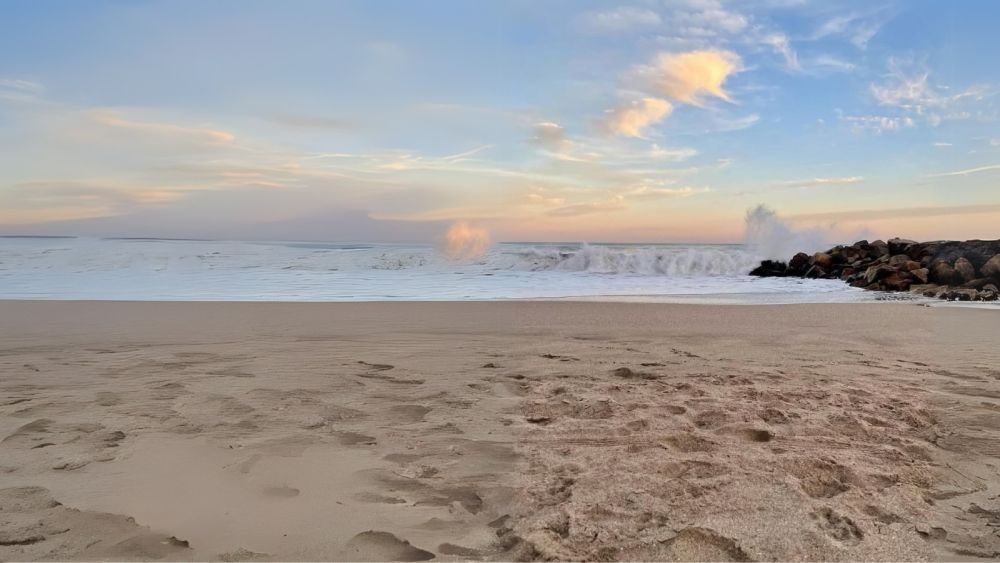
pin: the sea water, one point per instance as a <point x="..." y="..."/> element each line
<point x="187" y="270"/>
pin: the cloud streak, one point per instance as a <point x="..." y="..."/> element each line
<point x="966" y="172"/>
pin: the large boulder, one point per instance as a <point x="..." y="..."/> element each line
<point x="878" y="273"/>
<point x="816" y="272"/>
<point x="899" y="261"/>
<point x="942" y="273"/>
<point x="878" y="248"/>
<point x="770" y="269"/>
<point x="799" y="263"/>
<point x="900" y="245"/>
<point x="991" y="269"/>
<point x="896" y="282"/>
<point x="823" y="260"/>
<point x="965" y="269"/>
<point x="921" y="274"/>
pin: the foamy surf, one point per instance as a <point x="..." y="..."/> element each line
<point x="105" y="269"/>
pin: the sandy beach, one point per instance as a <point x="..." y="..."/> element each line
<point x="502" y="430"/>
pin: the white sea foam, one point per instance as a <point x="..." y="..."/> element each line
<point x="226" y="270"/>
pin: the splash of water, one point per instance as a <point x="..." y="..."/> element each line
<point x="465" y="242"/>
<point x="770" y="237"/>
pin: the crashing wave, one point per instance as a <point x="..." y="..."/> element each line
<point x="645" y="260"/>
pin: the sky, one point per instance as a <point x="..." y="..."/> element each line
<point x="555" y="120"/>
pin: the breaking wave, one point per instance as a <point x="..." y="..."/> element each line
<point x="643" y="260"/>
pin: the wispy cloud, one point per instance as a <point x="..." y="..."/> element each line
<point x="899" y="212"/>
<point x="783" y="46"/>
<point x="859" y="28"/>
<point x="877" y="124"/>
<point x="805" y="183"/>
<point x="551" y="137"/>
<point x="651" y="193"/>
<point x="910" y="89"/>
<point x="578" y="209"/>
<point x="967" y="172"/>
<point x="113" y="120"/>
<point x="723" y="124"/>
<point x="814" y="182"/>
<point x="311" y="121"/>
<point x="827" y="64"/>
<point x="17" y="90"/>
<point x="618" y="20"/>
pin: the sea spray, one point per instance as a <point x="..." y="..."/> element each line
<point x="465" y="242"/>
<point x="768" y="237"/>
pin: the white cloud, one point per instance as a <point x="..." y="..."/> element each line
<point x="705" y="18"/>
<point x="967" y="172"/>
<point x="114" y="120"/>
<point x="816" y="182"/>
<point x="688" y="77"/>
<point x="629" y="120"/>
<point x="858" y="28"/>
<point x="551" y="137"/>
<point x="910" y="90"/>
<point x="648" y="193"/>
<point x="828" y="63"/>
<point x="782" y="46"/>
<point x="939" y="144"/>
<point x="877" y="124"/>
<point x="735" y="124"/>
<point x="618" y="20"/>
<point x="16" y="90"/>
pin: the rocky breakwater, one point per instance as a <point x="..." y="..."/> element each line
<point x="954" y="270"/>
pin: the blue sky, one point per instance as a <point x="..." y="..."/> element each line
<point x="649" y="120"/>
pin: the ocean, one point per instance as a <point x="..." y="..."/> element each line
<point x="192" y="270"/>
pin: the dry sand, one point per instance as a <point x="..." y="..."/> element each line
<point x="409" y="431"/>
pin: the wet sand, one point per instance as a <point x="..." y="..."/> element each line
<point x="528" y="430"/>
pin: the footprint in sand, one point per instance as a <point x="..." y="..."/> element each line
<point x="281" y="491"/>
<point x="377" y="367"/>
<point x="409" y="413"/>
<point x="355" y="439"/>
<point x="383" y="546"/>
<point x="838" y="527"/>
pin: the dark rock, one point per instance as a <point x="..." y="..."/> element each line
<point x="987" y="295"/>
<point x="942" y="273"/>
<point x="770" y="269"/>
<point x="977" y="284"/>
<point x="991" y="268"/>
<point x="823" y="260"/>
<point x="876" y="273"/>
<point x="927" y="290"/>
<point x="961" y="294"/>
<point x="799" y="262"/>
<point x="959" y="270"/>
<point x="816" y="272"/>
<point x="899" y="261"/>
<point x="900" y="245"/>
<point x="965" y="269"/>
<point x="896" y="282"/>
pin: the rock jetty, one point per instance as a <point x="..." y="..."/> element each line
<point x="954" y="270"/>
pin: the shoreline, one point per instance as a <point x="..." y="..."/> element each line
<point x="497" y="430"/>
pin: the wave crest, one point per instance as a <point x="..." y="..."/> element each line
<point x="647" y="260"/>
